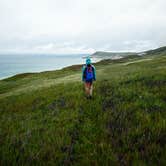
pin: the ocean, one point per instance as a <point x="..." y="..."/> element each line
<point x="19" y="63"/>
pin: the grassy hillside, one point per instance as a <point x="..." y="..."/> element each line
<point x="107" y="55"/>
<point x="45" y="118"/>
<point x="112" y="53"/>
<point x="115" y="55"/>
<point x="161" y="50"/>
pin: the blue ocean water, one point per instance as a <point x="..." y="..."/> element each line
<point x="17" y="63"/>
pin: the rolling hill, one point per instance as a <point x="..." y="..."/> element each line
<point x="45" y="118"/>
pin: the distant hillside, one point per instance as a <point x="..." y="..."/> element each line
<point x="112" y="55"/>
<point x="161" y="50"/>
<point x="118" y="55"/>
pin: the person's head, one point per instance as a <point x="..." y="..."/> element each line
<point x="88" y="61"/>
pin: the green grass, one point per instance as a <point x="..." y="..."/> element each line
<point x="45" y="118"/>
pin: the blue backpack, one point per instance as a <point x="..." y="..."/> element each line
<point x="89" y="73"/>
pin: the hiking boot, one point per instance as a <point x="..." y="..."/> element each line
<point x="87" y="97"/>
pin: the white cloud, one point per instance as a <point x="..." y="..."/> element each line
<point x="63" y="48"/>
<point x="81" y="26"/>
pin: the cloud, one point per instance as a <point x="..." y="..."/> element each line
<point x="81" y="26"/>
<point x="63" y="48"/>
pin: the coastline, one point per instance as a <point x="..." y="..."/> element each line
<point x="94" y="61"/>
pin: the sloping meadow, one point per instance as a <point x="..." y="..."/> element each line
<point x="124" y="123"/>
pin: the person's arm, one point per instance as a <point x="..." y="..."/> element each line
<point x="94" y="73"/>
<point x="83" y="70"/>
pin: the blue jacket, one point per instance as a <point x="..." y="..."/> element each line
<point x="84" y="73"/>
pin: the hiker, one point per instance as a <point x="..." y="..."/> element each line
<point x="88" y="76"/>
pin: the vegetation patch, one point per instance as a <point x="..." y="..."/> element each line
<point x="45" y="118"/>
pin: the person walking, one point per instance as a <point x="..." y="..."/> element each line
<point x="88" y="76"/>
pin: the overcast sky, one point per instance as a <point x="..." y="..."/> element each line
<point x="81" y="26"/>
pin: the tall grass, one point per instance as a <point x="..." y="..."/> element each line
<point x="124" y="123"/>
